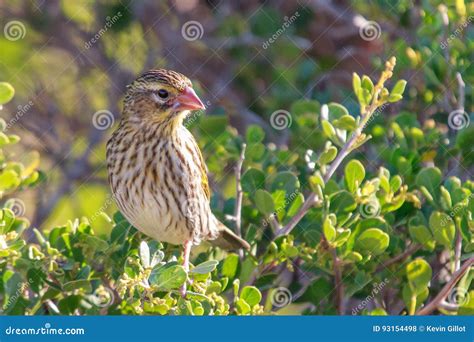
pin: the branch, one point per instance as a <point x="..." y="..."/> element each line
<point x="366" y="114"/>
<point x="435" y="303"/>
<point x="239" y="194"/>
<point x="409" y="251"/>
<point x="461" y="90"/>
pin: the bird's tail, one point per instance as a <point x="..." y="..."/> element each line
<point x="228" y="240"/>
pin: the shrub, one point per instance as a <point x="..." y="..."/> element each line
<point x="328" y="234"/>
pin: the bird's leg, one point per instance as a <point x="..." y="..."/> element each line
<point x="186" y="253"/>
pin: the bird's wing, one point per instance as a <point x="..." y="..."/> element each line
<point x="203" y="168"/>
<point x="204" y="179"/>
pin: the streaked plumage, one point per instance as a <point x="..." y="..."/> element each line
<point x="156" y="170"/>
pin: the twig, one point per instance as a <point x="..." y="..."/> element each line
<point x="457" y="249"/>
<point x="435" y="303"/>
<point x="339" y="285"/>
<point x="272" y="219"/>
<point x="366" y="114"/>
<point x="409" y="251"/>
<point x="461" y="90"/>
<point x="239" y="195"/>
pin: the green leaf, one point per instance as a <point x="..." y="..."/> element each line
<point x="337" y="111"/>
<point x="394" y="98"/>
<point x="443" y="228"/>
<point x="329" y="230"/>
<point x="295" y="205"/>
<point x="205" y="267"/>
<point x="346" y="122"/>
<point x="230" y="266"/>
<point x="242" y="307"/>
<point x="168" y="277"/>
<point x="342" y="203"/>
<point x="399" y="88"/>
<point x="287" y="181"/>
<point x="367" y="84"/>
<point x="354" y="175"/>
<point x="418" y="274"/>
<point x="9" y="179"/>
<point x="264" y="202"/>
<point x="78" y="284"/>
<point x="252" y="180"/>
<point x="372" y="241"/>
<point x="430" y="179"/>
<point x="96" y="243"/>
<point x="330" y="132"/>
<point x="328" y="155"/>
<point x="251" y="295"/>
<point x="254" y="134"/>
<point x="356" y="84"/>
<point x="6" y="92"/>
<point x="422" y="235"/>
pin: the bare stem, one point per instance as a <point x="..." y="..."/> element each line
<point x="457" y="249"/>
<point x="239" y="194"/>
<point x="409" y="251"/>
<point x="461" y="90"/>
<point x="436" y="302"/>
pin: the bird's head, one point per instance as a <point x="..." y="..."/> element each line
<point x="161" y="96"/>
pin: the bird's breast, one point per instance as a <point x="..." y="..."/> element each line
<point x="157" y="184"/>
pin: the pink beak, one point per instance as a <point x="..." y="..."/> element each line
<point x="188" y="100"/>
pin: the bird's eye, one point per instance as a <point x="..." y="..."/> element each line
<point x="163" y="93"/>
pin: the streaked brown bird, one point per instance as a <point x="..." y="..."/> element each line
<point x="156" y="169"/>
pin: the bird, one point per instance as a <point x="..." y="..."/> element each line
<point x="156" y="170"/>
